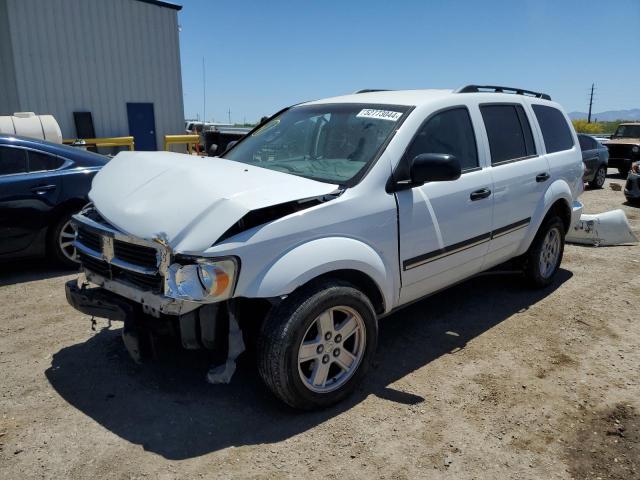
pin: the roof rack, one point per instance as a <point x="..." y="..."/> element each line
<point x="369" y="90"/>
<point x="498" y="89"/>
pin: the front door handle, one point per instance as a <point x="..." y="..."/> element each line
<point x="543" y="177"/>
<point x="480" y="194"/>
<point x="41" y="189"/>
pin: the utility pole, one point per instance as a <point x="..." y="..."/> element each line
<point x="590" y="103"/>
<point x="229" y="112"/>
<point x="204" y="95"/>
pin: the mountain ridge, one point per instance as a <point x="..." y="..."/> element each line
<point x="609" y="115"/>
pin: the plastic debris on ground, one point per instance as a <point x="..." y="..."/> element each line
<point x="602" y="229"/>
<point x="223" y="373"/>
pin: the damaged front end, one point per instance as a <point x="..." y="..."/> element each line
<point x="157" y="294"/>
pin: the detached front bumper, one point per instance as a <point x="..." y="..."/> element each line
<point x="202" y="328"/>
<point x="97" y="302"/>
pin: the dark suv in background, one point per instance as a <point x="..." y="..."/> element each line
<point x="41" y="185"/>
<point x="624" y="147"/>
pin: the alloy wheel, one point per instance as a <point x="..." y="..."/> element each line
<point x="550" y="252"/>
<point x="66" y="238"/>
<point x="332" y="349"/>
<point x="601" y="175"/>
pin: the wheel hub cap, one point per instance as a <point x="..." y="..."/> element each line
<point x="331" y="349"/>
<point x="550" y="253"/>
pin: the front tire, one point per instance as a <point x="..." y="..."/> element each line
<point x="316" y="346"/>
<point x="545" y="253"/>
<point x="600" y="177"/>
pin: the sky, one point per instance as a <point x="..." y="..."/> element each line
<point x="261" y="56"/>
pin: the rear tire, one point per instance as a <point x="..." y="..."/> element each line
<point x="599" y="178"/>
<point x="316" y="346"/>
<point x="59" y="242"/>
<point x="545" y="253"/>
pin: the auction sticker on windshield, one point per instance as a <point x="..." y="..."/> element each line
<point x="379" y="114"/>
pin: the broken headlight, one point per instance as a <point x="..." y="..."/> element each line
<point x="205" y="280"/>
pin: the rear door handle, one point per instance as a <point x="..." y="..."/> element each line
<point x="543" y="177"/>
<point x="480" y="194"/>
<point x="40" y="189"/>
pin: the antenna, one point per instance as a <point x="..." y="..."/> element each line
<point x="590" y="103"/>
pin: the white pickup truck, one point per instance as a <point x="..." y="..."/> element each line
<point x="322" y="220"/>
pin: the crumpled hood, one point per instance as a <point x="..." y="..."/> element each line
<point x="188" y="201"/>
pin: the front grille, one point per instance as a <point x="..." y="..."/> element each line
<point x="619" y="151"/>
<point x="97" y="266"/>
<point x="89" y="239"/>
<point x="136" y="254"/>
<point x="140" y="280"/>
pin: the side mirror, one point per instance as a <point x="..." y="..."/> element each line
<point x="434" y="167"/>
<point x="213" y="149"/>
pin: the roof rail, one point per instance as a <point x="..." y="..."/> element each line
<point x="369" y="90"/>
<point x="498" y="89"/>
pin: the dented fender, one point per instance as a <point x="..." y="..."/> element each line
<point x="317" y="257"/>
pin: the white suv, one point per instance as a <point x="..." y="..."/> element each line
<point x="325" y="218"/>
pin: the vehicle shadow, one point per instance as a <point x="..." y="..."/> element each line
<point x="167" y="407"/>
<point x="29" y="270"/>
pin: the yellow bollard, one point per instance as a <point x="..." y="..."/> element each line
<point x="189" y="140"/>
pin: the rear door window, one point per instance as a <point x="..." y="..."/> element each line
<point x="584" y="143"/>
<point x="39" y="162"/>
<point x="12" y="160"/>
<point x="449" y="132"/>
<point x="508" y="131"/>
<point x="555" y="130"/>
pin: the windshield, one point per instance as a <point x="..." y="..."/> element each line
<point x="627" y="131"/>
<point x="331" y="143"/>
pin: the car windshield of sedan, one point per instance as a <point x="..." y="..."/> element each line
<point x="331" y="143"/>
<point x="627" y="131"/>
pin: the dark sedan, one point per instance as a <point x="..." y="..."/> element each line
<point x="41" y="185"/>
<point x="595" y="157"/>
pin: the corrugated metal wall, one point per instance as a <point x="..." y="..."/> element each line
<point x="97" y="55"/>
<point x="8" y="89"/>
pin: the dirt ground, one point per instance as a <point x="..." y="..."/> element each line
<point x="488" y="380"/>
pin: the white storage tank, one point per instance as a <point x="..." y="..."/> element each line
<point x="28" y="124"/>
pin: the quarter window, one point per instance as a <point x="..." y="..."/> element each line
<point x="555" y="130"/>
<point x="508" y="131"/>
<point x="12" y="160"/>
<point x="41" y="161"/>
<point x="449" y="132"/>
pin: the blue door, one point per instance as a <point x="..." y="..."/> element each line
<point x="142" y="125"/>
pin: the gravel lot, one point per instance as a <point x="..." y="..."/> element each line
<point x="486" y="380"/>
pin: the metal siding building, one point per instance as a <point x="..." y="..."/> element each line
<point x="63" y="56"/>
